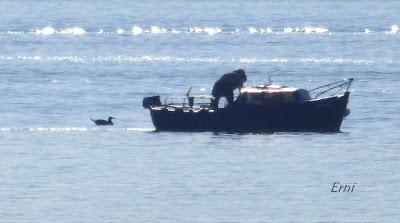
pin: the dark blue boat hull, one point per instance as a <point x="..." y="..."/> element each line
<point x="322" y="115"/>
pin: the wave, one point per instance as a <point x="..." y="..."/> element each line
<point x="259" y="30"/>
<point x="307" y="30"/>
<point x="173" y="59"/>
<point x="76" y="59"/>
<point x="120" y="31"/>
<point x="157" y="30"/>
<point x="394" y="29"/>
<point x="141" y="129"/>
<point x="136" y="30"/>
<point x="73" y="129"/>
<point x="207" y="30"/>
<point x="48" y="30"/>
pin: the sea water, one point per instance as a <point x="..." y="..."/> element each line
<point x="62" y="62"/>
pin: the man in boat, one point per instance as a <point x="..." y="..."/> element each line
<point x="225" y="86"/>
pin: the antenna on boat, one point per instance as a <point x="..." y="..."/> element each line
<point x="269" y="79"/>
<point x="190" y="98"/>
<point x="189" y="91"/>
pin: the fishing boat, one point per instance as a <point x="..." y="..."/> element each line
<point x="263" y="108"/>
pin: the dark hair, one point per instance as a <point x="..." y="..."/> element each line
<point x="242" y="74"/>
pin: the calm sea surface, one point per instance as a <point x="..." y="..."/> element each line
<point x="62" y="62"/>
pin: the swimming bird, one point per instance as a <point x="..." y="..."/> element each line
<point x="103" y="122"/>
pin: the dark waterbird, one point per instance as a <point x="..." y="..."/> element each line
<point x="103" y="122"/>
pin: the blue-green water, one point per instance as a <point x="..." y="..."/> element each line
<point x="62" y="62"/>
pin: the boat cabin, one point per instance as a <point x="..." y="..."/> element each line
<point x="267" y="94"/>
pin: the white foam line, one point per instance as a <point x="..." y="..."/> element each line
<point x="141" y="129"/>
<point x="73" y="129"/>
<point x="171" y="59"/>
<point x="204" y="30"/>
<point x="54" y="129"/>
<point x="48" y="30"/>
<point x="151" y="58"/>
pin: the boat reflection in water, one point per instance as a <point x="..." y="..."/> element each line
<point x="264" y="108"/>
